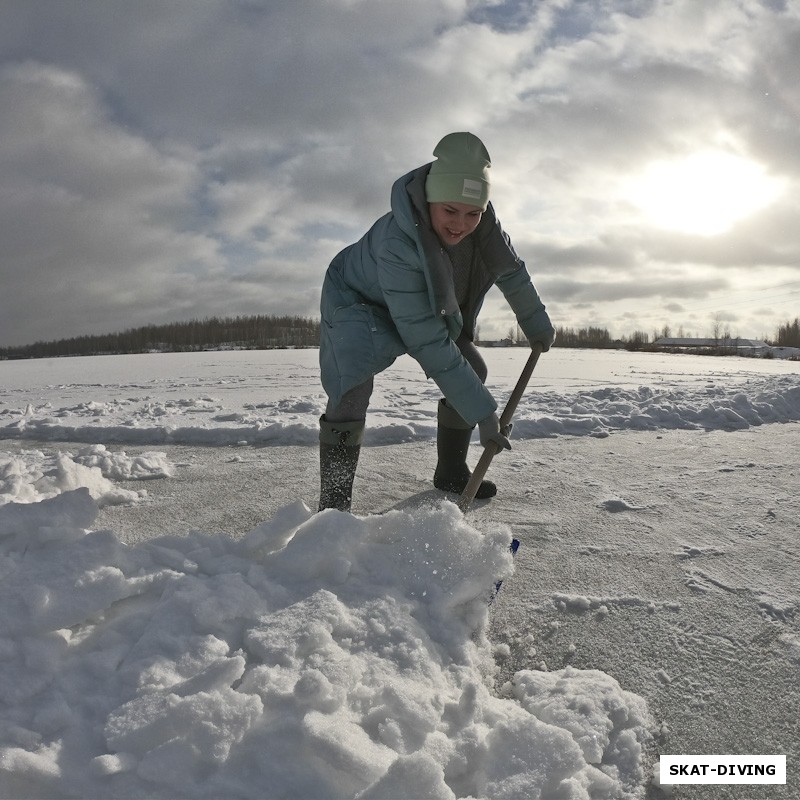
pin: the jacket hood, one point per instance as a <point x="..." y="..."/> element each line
<point x="410" y="210"/>
<point x="408" y="201"/>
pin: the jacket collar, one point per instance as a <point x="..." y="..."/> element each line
<point x="410" y="209"/>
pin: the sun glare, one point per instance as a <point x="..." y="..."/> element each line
<point x="705" y="193"/>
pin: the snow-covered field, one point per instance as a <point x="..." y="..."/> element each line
<point x="177" y="623"/>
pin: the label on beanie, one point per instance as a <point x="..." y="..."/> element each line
<point x="472" y="189"/>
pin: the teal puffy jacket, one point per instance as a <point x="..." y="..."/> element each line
<point x="392" y="293"/>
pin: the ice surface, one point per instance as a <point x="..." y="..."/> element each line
<point x="328" y="655"/>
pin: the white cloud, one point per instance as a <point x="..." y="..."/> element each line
<point x="93" y="220"/>
<point x="162" y="161"/>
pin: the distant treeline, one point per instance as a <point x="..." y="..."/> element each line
<point x="246" y="333"/>
<point x="252" y="333"/>
<point x="789" y="334"/>
<point x="600" y="338"/>
<point x="595" y="338"/>
<point x="271" y="332"/>
<point x="584" y="337"/>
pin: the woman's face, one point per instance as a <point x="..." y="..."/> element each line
<point x="453" y="221"/>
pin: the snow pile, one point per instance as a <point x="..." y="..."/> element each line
<point x="320" y="656"/>
<point x="32" y="475"/>
<point x="598" y="412"/>
<point x="121" y="466"/>
<point x="277" y="401"/>
<point x="595" y="412"/>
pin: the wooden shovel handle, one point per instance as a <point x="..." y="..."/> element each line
<point x="492" y="449"/>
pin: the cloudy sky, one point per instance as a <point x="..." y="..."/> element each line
<point x="162" y="160"/>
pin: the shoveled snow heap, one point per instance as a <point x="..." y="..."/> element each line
<point x="32" y="475"/>
<point x="258" y="398"/>
<point x="322" y="655"/>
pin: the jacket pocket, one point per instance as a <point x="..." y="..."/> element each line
<point x="386" y="340"/>
<point x="364" y="339"/>
<point x="351" y="333"/>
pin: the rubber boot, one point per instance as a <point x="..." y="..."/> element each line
<point x="453" y="435"/>
<point x="339" y="448"/>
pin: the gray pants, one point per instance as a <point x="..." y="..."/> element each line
<point x="354" y="403"/>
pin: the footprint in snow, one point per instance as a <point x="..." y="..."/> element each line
<point x="615" y="506"/>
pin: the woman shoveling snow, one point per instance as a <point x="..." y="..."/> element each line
<point x="415" y="284"/>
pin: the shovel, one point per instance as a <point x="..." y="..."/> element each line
<point x="492" y="449"/>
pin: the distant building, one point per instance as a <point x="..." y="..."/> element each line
<point x="743" y="347"/>
<point x="791" y="353"/>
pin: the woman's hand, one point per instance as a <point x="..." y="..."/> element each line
<point x="545" y="334"/>
<point x="489" y="430"/>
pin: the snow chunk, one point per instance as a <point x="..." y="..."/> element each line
<point x="608" y="724"/>
<point x="122" y="467"/>
<point x="32" y="476"/>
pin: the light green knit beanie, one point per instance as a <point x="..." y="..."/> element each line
<point x="460" y="173"/>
